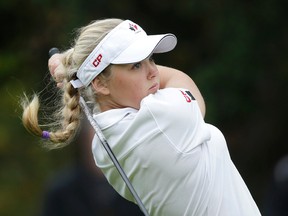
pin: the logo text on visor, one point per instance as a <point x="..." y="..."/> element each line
<point x="97" y="60"/>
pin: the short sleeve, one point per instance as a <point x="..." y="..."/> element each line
<point x="178" y="116"/>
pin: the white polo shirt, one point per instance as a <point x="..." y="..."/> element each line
<point x="177" y="163"/>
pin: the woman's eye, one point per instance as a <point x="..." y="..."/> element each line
<point x="136" y="65"/>
<point x="151" y="59"/>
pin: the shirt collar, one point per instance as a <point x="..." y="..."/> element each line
<point x="108" y="118"/>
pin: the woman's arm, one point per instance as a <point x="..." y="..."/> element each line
<point x="170" y="77"/>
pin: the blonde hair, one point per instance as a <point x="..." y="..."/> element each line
<point x="66" y="119"/>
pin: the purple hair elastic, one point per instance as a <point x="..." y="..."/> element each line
<point x="45" y="135"/>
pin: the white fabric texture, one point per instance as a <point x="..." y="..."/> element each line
<point x="177" y="163"/>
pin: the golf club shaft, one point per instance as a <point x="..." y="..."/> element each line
<point x="105" y="144"/>
<point x="111" y="155"/>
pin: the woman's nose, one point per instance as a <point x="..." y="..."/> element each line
<point x="152" y="70"/>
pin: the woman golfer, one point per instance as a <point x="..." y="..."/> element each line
<point x="152" y="118"/>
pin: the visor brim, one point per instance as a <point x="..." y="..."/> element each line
<point x="143" y="47"/>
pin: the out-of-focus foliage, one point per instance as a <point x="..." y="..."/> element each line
<point x="235" y="50"/>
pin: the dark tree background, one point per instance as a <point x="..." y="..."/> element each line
<point x="235" y="50"/>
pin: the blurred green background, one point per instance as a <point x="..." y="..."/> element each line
<point x="235" y="50"/>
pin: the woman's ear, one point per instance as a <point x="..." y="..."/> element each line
<point x="100" y="86"/>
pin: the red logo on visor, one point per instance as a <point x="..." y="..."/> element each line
<point x="97" y="60"/>
<point x="133" y="27"/>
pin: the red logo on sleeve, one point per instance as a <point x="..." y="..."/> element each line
<point x="188" y="96"/>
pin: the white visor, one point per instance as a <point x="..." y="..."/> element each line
<point x="126" y="43"/>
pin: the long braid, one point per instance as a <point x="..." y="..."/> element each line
<point x="71" y="114"/>
<point x="66" y="121"/>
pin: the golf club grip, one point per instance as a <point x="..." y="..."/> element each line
<point x="53" y="51"/>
